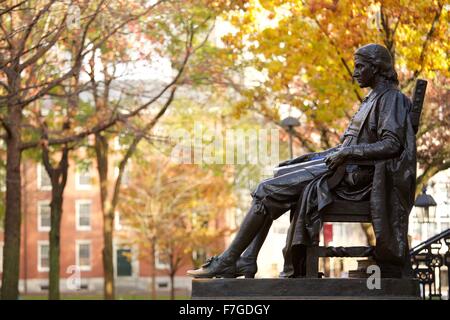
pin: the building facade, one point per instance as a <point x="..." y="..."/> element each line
<point x="81" y="240"/>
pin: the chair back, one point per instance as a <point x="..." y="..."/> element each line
<point x="417" y="103"/>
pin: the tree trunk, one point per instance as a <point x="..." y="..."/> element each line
<point x="101" y="150"/>
<point x="58" y="178"/>
<point x="11" y="250"/>
<point x="172" y="285"/>
<point x="56" y="206"/>
<point x="108" y="261"/>
<point x="153" y="274"/>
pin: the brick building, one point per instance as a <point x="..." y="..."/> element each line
<point x="81" y="239"/>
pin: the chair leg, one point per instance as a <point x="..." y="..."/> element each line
<point x="312" y="261"/>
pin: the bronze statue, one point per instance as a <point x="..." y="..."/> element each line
<point x="381" y="130"/>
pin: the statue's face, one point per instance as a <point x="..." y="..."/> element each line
<point x="363" y="73"/>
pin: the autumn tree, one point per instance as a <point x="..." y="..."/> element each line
<point x="175" y="210"/>
<point x="301" y="52"/>
<point x="179" y="32"/>
<point x="33" y="64"/>
<point x="26" y="41"/>
<point x="300" y="55"/>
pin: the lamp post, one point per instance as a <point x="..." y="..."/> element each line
<point x="426" y="211"/>
<point x="426" y="207"/>
<point x="289" y="124"/>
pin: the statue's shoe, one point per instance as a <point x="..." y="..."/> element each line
<point x="215" y="267"/>
<point x="246" y="267"/>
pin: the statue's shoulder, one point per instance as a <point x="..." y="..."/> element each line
<point x="393" y="94"/>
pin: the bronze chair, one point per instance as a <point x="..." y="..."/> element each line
<point x="350" y="211"/>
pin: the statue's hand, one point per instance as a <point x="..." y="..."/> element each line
<point x="337" y="158"/>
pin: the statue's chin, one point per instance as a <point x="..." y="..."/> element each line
<point x="363" y="85"/>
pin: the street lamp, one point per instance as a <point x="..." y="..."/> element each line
<point x="426" y="207"/>
<point x="289" y="124"/>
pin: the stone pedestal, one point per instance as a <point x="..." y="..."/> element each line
<point x="361" y="271"/>
<point x="304" y="289"/>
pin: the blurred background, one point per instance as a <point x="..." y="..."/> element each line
<point x="133" y="132"/>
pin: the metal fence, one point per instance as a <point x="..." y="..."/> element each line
<point x="431" y="265"/>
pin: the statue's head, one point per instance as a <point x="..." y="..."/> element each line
<point x="372" y="63"/>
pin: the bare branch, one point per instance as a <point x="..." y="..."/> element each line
<point x="132" y="148"/>
<point x="11" y="8"/>
<point x="29" y="28"/>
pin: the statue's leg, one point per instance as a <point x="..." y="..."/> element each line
<point x="271" y="199"/>
<point x="279" y="195"/>
<point x="288" y="267"/>
<point x="246" y="264"/>
<point x="225" y="264"/>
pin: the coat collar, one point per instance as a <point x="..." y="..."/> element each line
<point x="379" y="89"/>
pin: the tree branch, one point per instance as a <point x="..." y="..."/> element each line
<point x="425" y="44"/>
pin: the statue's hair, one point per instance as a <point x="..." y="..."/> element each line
<point x="379" y="56"/>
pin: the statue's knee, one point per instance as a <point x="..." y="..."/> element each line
<point x="259" y="191"/>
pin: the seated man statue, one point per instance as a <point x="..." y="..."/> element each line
<point x="380" y="131"/>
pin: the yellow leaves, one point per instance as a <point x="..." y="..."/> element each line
<point x="315" y="43"/>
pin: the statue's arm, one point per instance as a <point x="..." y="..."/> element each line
<point x="388" y="147"/>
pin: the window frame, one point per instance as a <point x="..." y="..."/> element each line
<point x="77" y="215"/>
<point x="39" y="255"/>
<point x="77" y="254"/>
<point x="159" y="264"/>
<point x="41" y="167"/>
<point x="40" y="227"/>
<point x="78" y="185"/>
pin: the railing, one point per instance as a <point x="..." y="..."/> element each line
<point x="428" y="260"/>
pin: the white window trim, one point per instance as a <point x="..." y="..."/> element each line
<point x="39" y="178"/>
<point x="117" y="225"/>
<point x="160" y="265"/>
<point x="40" y="227"/>
<point x="77" y="254"/>
<point x="126" y="173"/>
<point x="79" y="186"/>
<point x="77" y="215"/>
<point x="1" y="256"/>
<point x="40" y="267"/>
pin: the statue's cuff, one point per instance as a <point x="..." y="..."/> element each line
<point x="357" y="151"/>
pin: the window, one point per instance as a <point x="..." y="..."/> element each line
<point x="125" y="174"/>
<point x="83" y="255"/>
<point x="83" y="179"/>
<point x="83" y="214"/>
<point x="43" y="256"/>
<point x="117" y="222"/>
<point x="43" y="178"/>
<point x="161" y="261"/>
<point x="44" y="214"/>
